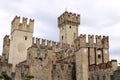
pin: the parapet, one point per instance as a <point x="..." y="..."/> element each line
<point x="43" y="43"/>
<point x="103" y="66"/>
<point x="25" y="25"/>
<point x="98" y="42"/>
<point x="69" y="18"/>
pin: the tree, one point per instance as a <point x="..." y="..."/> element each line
<point x="5" y="76"/>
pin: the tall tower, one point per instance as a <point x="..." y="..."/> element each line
<point x="21" y="40"/>
<point x="68" y="25"/>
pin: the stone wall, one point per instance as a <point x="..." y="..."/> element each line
<point x="103" y="71"/>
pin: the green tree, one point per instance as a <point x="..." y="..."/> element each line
<point x="5" y="76"/>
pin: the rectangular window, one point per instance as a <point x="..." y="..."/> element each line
<point x="25" y="37"/>
<point x="62" y="37"/>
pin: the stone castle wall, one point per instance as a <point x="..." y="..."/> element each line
<point x="72" y="58"/>
<point x="103" y="71"/>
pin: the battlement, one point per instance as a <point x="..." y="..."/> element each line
<point x="103" y="66"/>
<point x="69" y="18"/>
<point x="99" y="42"/>
<point x="43" y="43"/>
<point x="25" y="25"/>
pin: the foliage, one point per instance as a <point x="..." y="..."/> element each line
<point x="5" y="76"/>
<point x="1" y="77"/>
<point x="29" y="77"/>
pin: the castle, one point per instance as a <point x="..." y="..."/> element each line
<point x="72" y="58"/>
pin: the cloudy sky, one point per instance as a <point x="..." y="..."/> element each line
<point x="101" y="17"/>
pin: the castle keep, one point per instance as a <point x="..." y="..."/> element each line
<point x="72" y="58"/>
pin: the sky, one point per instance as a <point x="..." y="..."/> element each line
<point x="98" y="17"/>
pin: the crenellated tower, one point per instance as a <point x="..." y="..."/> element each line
<point x="21" y="40"/>
<point x="98" y="48"/>
<point x="90" y="53"/>
<point x="16" y="25"/>
<point x="68" y="25"/>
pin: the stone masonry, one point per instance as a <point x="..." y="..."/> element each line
<point x="72" y="58"/>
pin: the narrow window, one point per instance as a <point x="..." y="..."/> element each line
<point x="99" y="56"/>
<point x="62" y="37"/>
<point x="25" y="37"/>
<point x="69" y="66"/>
<point x="68" y="15"/>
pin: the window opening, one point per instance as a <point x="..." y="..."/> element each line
<point x="25" y="37"/>
<point x="62" y="37"/>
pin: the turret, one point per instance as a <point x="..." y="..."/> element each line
<point x="68" y="25"/>
<point x="68" y="18"/>
<point x="17" y="25"/>
<point x="21" y="40"/>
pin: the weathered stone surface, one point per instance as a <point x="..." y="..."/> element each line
<point x="72" y="58"/>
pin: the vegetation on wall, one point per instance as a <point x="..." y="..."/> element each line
<point x="5" y="76"/>
<point x="29" y="77"/>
